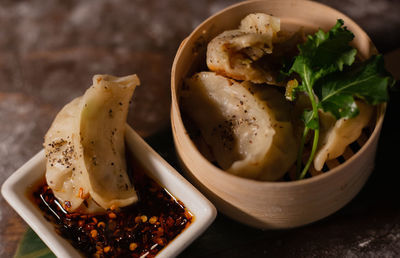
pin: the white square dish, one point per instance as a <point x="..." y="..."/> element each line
<point x="17" y="187"/>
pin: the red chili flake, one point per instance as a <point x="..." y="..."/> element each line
<point x="159" y="241"/>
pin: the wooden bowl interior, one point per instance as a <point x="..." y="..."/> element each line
<point x="293" y="14"/>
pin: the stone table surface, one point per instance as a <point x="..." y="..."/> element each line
<point x="50" y="49"/>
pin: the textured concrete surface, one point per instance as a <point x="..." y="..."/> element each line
<point x="50" y="49"/>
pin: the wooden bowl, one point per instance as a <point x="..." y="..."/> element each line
<point x="270" y="204"/>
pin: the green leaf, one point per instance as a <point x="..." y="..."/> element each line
<point x="332" y="82"/>
<point x="324" y="53"/>
<point x="324" y="65"/>
<point x="340" y="106"/>
<point x="310" y="120"/>
<point x="31" y="246"/>
<point x="368" y="81"/>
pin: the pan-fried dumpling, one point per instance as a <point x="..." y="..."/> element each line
<point x="85" y="149"/>
<point x="336" y="135"/>
<point x="247" y="127"/>
<point x="234" y="53"/>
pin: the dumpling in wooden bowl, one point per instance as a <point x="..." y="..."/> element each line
<point x="236" y="53"/>
<point x="247" y="128"/>
<point x="336" y="135"/>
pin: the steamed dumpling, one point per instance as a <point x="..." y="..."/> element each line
<point x="247" y="127"/>
<point x="85" y="149"/>
<point x="234" y="53"/>
<point x="336" y="135"/>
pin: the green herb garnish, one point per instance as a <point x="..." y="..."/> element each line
<point x="331" y="80"/>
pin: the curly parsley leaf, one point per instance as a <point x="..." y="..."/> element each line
<point x="368" y="81"/>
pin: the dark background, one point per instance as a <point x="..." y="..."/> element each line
<point x="49" y="51"/>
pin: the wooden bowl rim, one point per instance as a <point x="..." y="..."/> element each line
<point x="307" y="181"/>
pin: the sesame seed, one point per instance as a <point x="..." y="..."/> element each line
<point x="133" y="246"/>
<point x="93" y="233"/>
<point x="153" y="220"/>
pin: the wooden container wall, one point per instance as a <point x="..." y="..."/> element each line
<point x="270" y="204"/>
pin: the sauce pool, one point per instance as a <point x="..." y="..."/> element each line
<point x="138" y="230"/>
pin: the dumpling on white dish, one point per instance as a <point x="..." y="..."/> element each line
<point x="234" y="53"/>
<point x="247" y="127"/>
<point x="85" y="148"/>
<point x="336" y="135"/>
